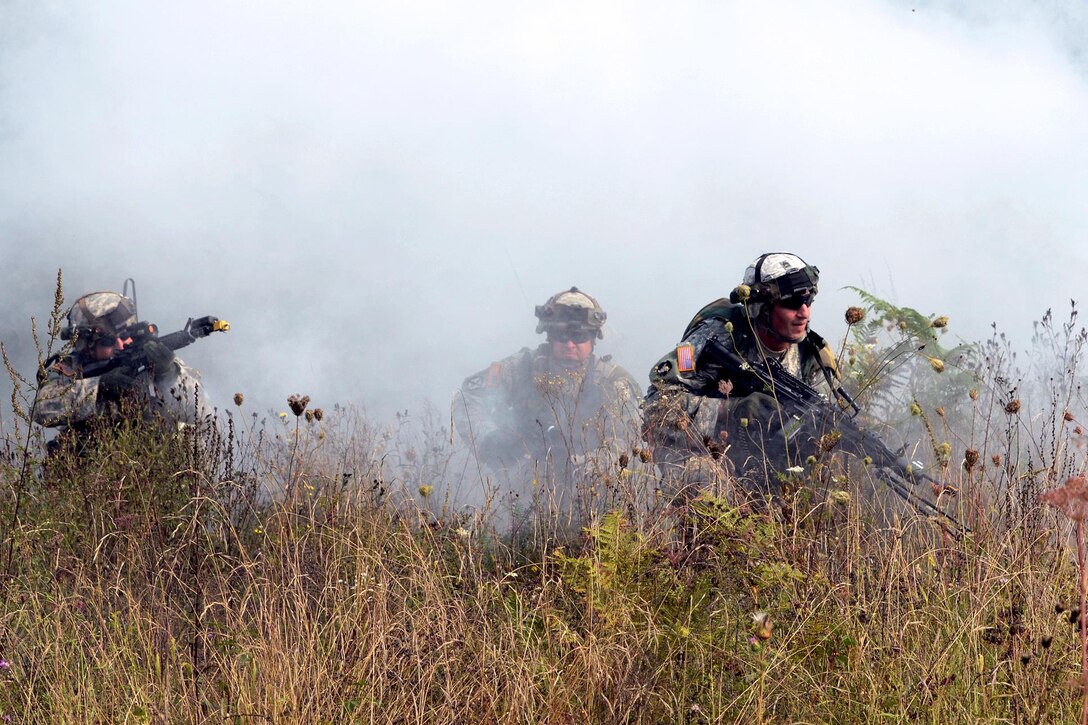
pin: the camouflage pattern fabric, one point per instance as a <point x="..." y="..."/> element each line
<point x="689" y="413"/>
<point x="544" y="434"/>
<point x="112" y="310"/>
<point x="65" y="398"/>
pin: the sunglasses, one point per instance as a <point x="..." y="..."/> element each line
<point x="796" y="301"/>
<point x="577" y="337"/>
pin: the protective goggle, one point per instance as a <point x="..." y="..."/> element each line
<point x="798" y="299"/>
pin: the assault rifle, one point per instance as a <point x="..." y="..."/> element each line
<point x="133" y="356"/>
<point x="805" y="406"/>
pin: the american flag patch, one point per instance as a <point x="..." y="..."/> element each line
<point x="685" y="358"/>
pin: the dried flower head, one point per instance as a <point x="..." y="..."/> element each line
<point x="940" y="322"/>
<point x="743" y="292"/>
<point x="309" y="416"/>
<point x="1067" y="416"/>
<point x="1012" y="407"/>
<point x="854" y="315"/>
<point x="937" y="364"/>
<point x="239" y="399"/>
<point x="973" y="394"/>
<point x="940" y="410"/>
<point x="840" y="497"/>
<point x="996" y="459"/>
<point x="944" y="450"/>
<point x="763" y="625"/>
<point x="829" y="440"/>
<point x="318" y="414"/>
<point x="728" y="327"/>
<point x="297" y="403"/>
<point x="426" y="490"/>
<point x="1071" y="498"/>
<point x="915" y="409"/>
<point x="970" y="458"/>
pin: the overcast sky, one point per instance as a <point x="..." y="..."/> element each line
<point x="376" y="194"/>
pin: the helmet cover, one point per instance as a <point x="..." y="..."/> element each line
<point x="99" y="314"/>
<point x="571" y="310"/>
<point x="779" y="275"/>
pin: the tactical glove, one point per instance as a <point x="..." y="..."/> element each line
<point x="757" y="411"/>
<point x="160" y="359"/>
<point x="115" y="384"/>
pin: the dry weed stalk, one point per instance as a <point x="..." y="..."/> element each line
<point x="1072" y="500"/>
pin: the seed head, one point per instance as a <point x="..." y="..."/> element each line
<point x="937" y="364"/>
<point x="297" y="403"/>
<point x="761" y="622"/>
<point x="1012" y="407"/>
<point x="996" y="459"/>
<point x="729" y="327"/>
<point x="940" y="410"/>
<point x="318" y="414"/>
<point x="426" y="490"/>
<point x="743" y="292"/>
<point x="1067" y="416"/>
<point x="940" y="322"/>
<point x="973" y="394"/>
<point x="829" y="440"/>
<point x="854" y="315"/>
<point x="970" y="458"/>
<point x="915" y="409"/>
<point x="309" y="416"/>
<point x="239" y="399"/>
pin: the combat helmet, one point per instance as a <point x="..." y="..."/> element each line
<point x="573" y="311"/>
<point x="97" y="315"/>
<point x="774" y="277"/>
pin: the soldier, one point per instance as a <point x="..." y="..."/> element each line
<point x="551" y="423"/>
<point x="691" y="418"/>
<point x="83" y="387"/>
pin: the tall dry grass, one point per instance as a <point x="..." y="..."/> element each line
<point x="322" y="569"/>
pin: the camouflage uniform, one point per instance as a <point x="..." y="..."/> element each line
<point x="550" y="437"/>
<point x="70" y="402"/>
<point x="66" y="398"/>
<point x="694" y="425"/>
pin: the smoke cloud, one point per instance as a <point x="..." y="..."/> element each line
<point x="376" y="195"/>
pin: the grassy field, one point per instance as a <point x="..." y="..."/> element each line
<point x="154" y="579"/>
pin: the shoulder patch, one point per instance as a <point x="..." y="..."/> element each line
<point x="685" y="358"/>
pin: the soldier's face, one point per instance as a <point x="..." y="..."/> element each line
<point x="106" y="348"/>
<point x="791" y="324"/>
<point x="571" y="350"/>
